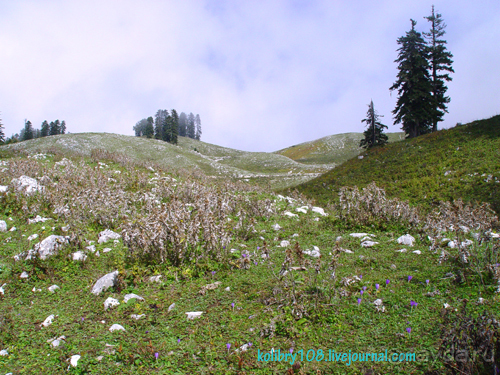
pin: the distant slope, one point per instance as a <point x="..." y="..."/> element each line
<point x="462" y="162"/>
<point x="333" y="149"/>
<point x="278" y="170"/>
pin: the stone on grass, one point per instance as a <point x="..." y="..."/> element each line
<point x="359" y="235"/>
<point x="377" y="302"/>
<point x="91" y="248"/>
<point x="406" y="240"/>
<point x="110" y="302"/>
<point x="171" y="307"/>
<point x="314" y="252"/>
<point x="289" y="214"/>
<point x="155" y="279"/>
<point x="347" y="251"/>
<point x="320" y="211"/>
<point x="4" y="353"/>
<point x="276" y="226"/>
<point x="2" y="291"/>
<point x="130" y="296"/>
<point x="369" y="243"/>
<point x="418" y="252"/>
<point x="27" y="185"/>
<point x="107" y="235"/>
<point x="194" y="314"/>
<point x="116" y="327"/>
<point x="38" y="219"/>
<point x="50" y="245"/>
<point x="33" y="237"/>
<point x="79" y="255"/>
<point x="284" y="243"/>
<point x="24" y="275"/>
<point x="106" y="250"/>
<point x="74" y="360"/>
<point x="401" y="251"/>
<point x="137" y="317"/>
<point x="3" y="188"/>
<point x="105" y="282"/>
<point x="228" y="289"/>
<point x="3" y="226"/>
<point x="302" y="209"/>
<point x="48" y="321"/>
<point x="53" y="288"/>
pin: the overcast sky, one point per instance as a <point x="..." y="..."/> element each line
<point x="262" y="75"/>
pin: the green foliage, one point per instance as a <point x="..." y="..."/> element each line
<point x="374" y="134"/>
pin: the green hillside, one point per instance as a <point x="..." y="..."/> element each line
<point x="277" y="170"/>
<point x="333" y="149"/>
<point x="462" y="162"/>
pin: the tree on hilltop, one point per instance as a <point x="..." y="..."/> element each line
<point x="183" y="120"/>
<point x="374" y="134"/>
<point x="440" y="63"/>
<point x="28" y="131"/>
<point x="44" y="129"/>
<point x="197" y="121"/>
<point x="191" y="130"/>
<point x="2" y="134"/>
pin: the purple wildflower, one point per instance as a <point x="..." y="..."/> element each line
<point x="409" y="278"/>
<point x="359" y="301"/>
<point x="377" y="286"/>
<point x="427" y="281"/>
<point x="156" y="355"/>
<point x="408" y="329"/>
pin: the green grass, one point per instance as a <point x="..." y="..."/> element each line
<point x="462" y="162"/>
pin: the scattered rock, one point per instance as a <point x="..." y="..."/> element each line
<point x="155" y="279"/>
<point x="276" y="226"/>
<point x="137" y="317"/>
<point x="401" y="251"/>
<point x="212" y="286"/>
<point x="116" y="327"/>
<point x="368" y="243"/>
<point x="347" y="251"/>
<point x="130" y="296"/>
<point x="194" y="314"/>
<point x="91" y="248"/>
<point x="418" y="252"/>
<point x="314" y="252"/>
<point x="320" y="211"/>
<point x="3" y="188"/>
<point x="33" y="237"/>
<point x="53" y="288"/>
<point x="105" y="282"/>
<point x="106" y="250"/>
<point x="171" y="307"/>
<point x="290" y="214"/>
<point x="3" y="226"/>
<point x="24" y="275"/>
<point x="302" y="209"/>
<point x="48" y="321"/>
<point x="108" y="235"/>
<point x="110" y="302"/>
<point x="2" y="291"/>
<point x="359" y="235"/>
<point x="50" y="245"/>
<point x="79" y="256"/>
<point x="228" y="289"/>
<point x="55" y="342"/>
<point x="27" y="185"/>
<point x="74" y="360"/>
<point x="284" y="243"/>
<point x="4" y="353"/>
<point x="406" y="240"/>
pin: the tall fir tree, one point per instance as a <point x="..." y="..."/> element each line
<point x="55" y="128"/>
<point x="139" y="127"/>
<point x="44" y="129"/>
<point x="63" y="127"/>
<point x="2" y="134"/>
<point x="149" y="129"/>
<point x="28" y="131"/>
<point x="374" y="134"/>
<point x="174" y="129"/>
<point x="167" y="128"/>
<point x="414" y="108"/>
<point x="183" y="124"/>
<point x="197" y="121"/>
<point x="440" y="65"/>
<point x="191" y="130"/>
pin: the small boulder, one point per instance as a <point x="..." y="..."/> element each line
<point x="320" y="211"/>
<point x="130" y="296"/>
<point x="302" y="209"/>
<point x="50" y="245"/>
<point x="48" y="321"/>
<point x="314" y="252"/>
<point x="284" y="243"/>
<point x="3" y="226"/>
<point x="27" y="185"/>
<point x="406" y="240"/>
<point x="4" y="353"/>
<point x="276" y="226"/>
<point x="194" y="314"/>
<point x="110" y="302"/>
<point x="358" y="235"/>
<point x="53" y="288"/>
<point x="368" y="243"/>
<point x="24" y="275"/>
<point x="38" y="219"/>
<point x="116" y="327"/>
<point x="79" y="256"/>
<point x="107" y="235"/>
<point x="74" y="360"/>
<point x="155" y="279"/>
<point x="105" y="282"/>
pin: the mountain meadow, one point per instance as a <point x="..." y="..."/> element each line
<point x="126" y="255"/>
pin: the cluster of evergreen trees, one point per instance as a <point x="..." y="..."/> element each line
<point x="168" y="126"/>
<point x="423" y="66"/>
<point x="28" y="132"/>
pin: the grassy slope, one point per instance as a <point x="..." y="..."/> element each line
<point x="444" y="165"/>
<point x="211" y="159"/>
<point x="334" y="149"/>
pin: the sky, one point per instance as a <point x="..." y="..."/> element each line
<point x="262" y="74"/>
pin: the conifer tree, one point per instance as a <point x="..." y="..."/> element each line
<point x="174" y="128"/>
<point x="191" y="131"/>
<point x="440" y="63"/>
<point x="160" y="117"/>
<point x="149" y="129"/>
<point x="198" y="127"/>
<point x="2" y="134"/>
<point x="140" y="127"/>
<point x="414" y="109"/>
<point x="374" y="134"/>
<point x="28" y="131"/>
<point x="167" y="128"/>
<point x="63" y="127"/>
<point x="44" y="130"/>
<point x="55" y="128"/>
<point x="183" y="124"/>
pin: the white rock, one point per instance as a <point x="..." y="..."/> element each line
<point x="284" y="243"/>
<point x="24" y="275"/>
<point x="401" y="251"/>
<point x="33" y="237"/>
<point x="3" y="188"/>
<point x="452" y="244"/>
<point x="290" y="214"/>
<point x="48" y="321"/>
<point x="480" y="300"/>
<point x="347" y="251"/>
<point x="276" y="226"/>
<point x="194" y="314"/>
<point x="369" y="243"/>
<point x="377" y="302"/>
<point x="467" y="242"/>
<point x="74" y="360"/>
<point x="91" y="248"/>
<point x="314" y="252"/>
<point x="445" y="305"/>
<point x="228" y="289"/>
<point x="53" y="288"/>
<point x="3" y="226"/>
<point x="316" y="219"/>
<point x="130" y="296"/>
<point x="50" y="245"/>
<point x="359" y="235"/>
<point x="295" y="235"/>
<point x="108" y="235"/>
<point x="418" y="252"/>
<point x="79" y="256"/>
<point x="65" y="229"/>
<point x="34" y="290"/>
<point x="4" y="353"/>
<point x="137" y="317"/>
<point x="406" y="240"/>
<point x="2" y="291"/>
<point x="320" y="211"/>
<point x="27" y="185"/>
<point x="366" y="239"/>
<point x="13" y="229"/>
<point x="171" y="307"/>
<point x="106" y="250"/>
<point x="155" y="279"/>
<point x="243" y="348"/>
<point x="116" y="327"/>
<point x="105" y="282"/>
<point x="302" y="209"/>
<point x="110" y="302"/>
